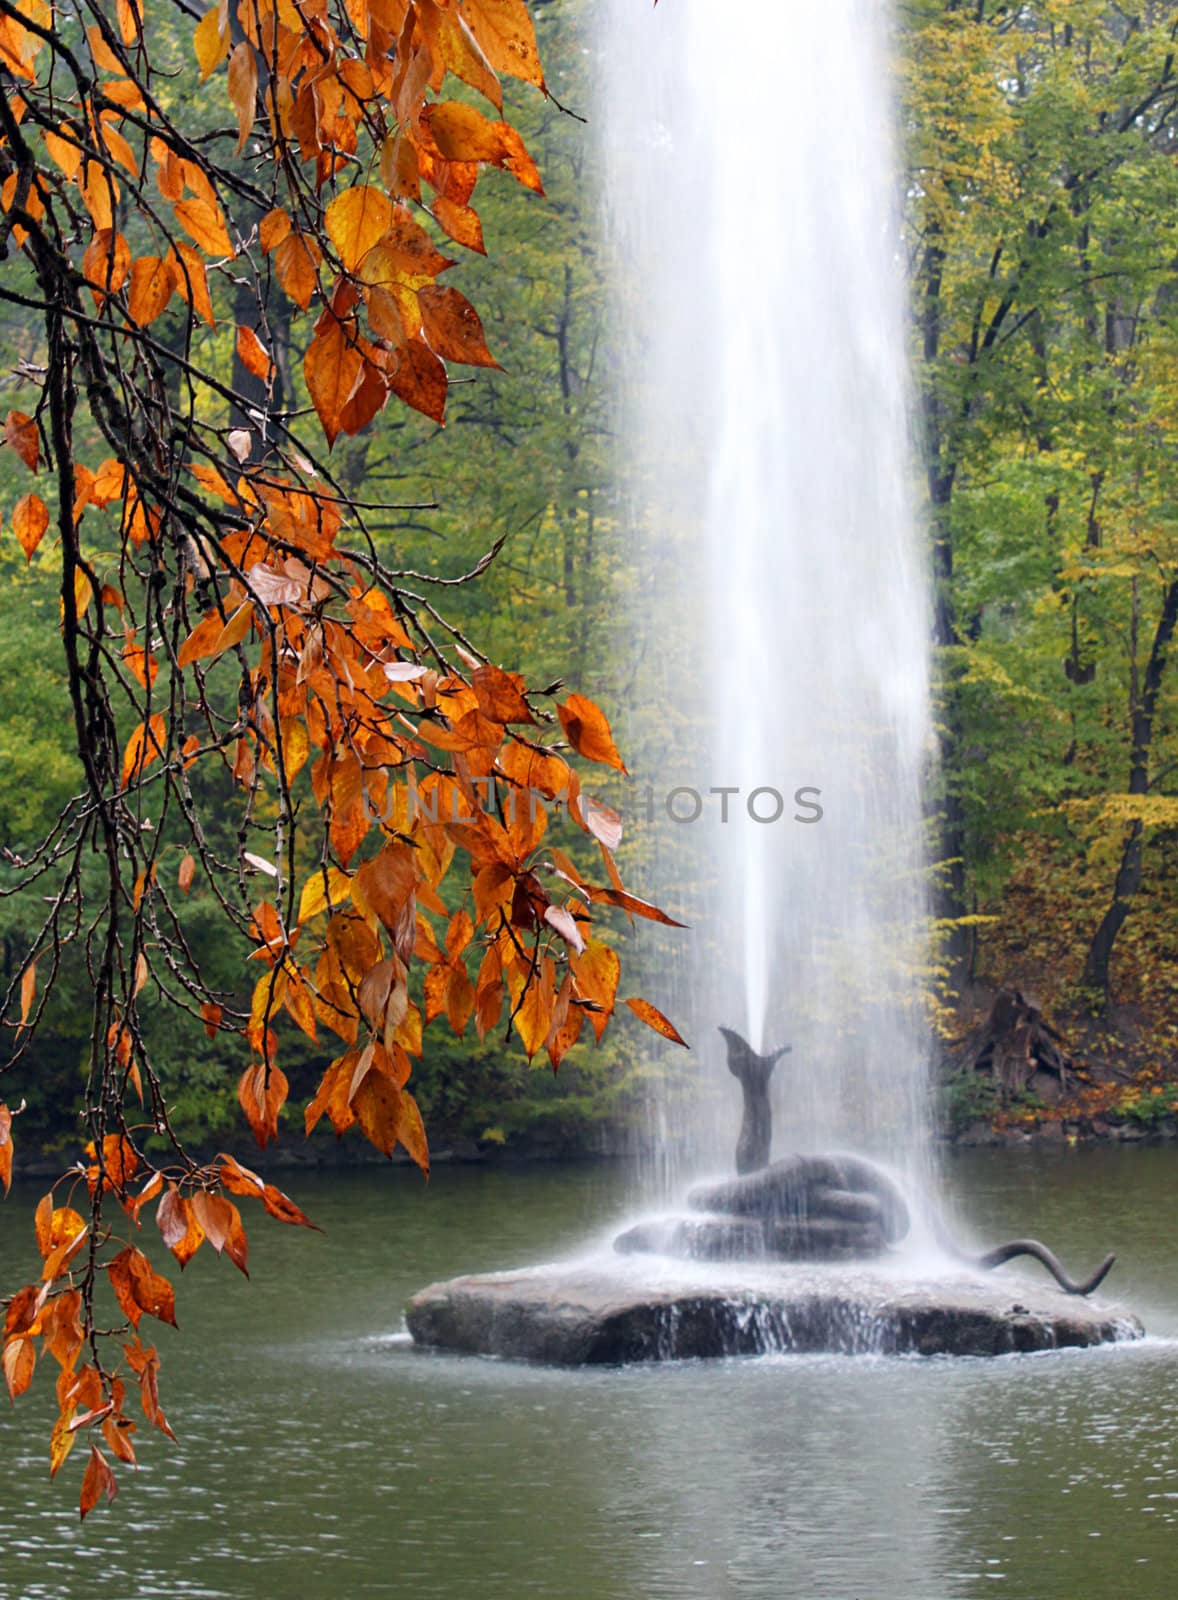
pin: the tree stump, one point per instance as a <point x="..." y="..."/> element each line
<point x="1014" y="1043"/>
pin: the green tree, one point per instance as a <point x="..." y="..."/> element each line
<point x="1041" y="229"/>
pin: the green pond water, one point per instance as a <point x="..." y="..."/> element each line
<point x="322" y="1458"/>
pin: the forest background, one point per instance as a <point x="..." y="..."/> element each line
<point x="1039" y="202"/>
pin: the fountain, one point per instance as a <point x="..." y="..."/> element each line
<point x="770" y="1237"/>
<point x="782" y="615"/>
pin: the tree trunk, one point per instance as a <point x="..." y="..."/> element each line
<point x="1142" y="707"/>
<point x="949" y="894"/>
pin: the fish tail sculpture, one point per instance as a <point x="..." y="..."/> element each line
<point x="752" y="1071"/>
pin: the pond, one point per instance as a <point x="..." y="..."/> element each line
<point x="322" y="1458"/>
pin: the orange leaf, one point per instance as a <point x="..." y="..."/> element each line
<point x="462" y="133"/>
<point x="106" y="263"/>
<point x="148" y="1192"/>
<point x="282" y="1207"/>
<point x="459" y="934"/>
<point x="500" y="694"/>
<point x="296" y="261"/>
<point x="588" y="731"/>
<point x="20" y="431"/>
<point x="171" y="1217"/>
<point x="300" y="1003"/>
<point x="262" y="1100"/>
<point x="186" y="874"/>
<point x="377" y="1104"/>
<point x="212" y="1212"/>
<point x="182" y="1233"/>
<point x="467" y="59"/>
<point x="240" y="1180"/>
<point x="5" y="1147"/>
<point x="119" y="1160"/>
<point x="533" y="1018"/>
<point x="459" y="999"/>
<point x="505" y="33"/>
<point x="138" y="1288"/>
<point x="318" y="894"/>
<point x="454" y="331"/>
<point x="566" y="1024"/>
<point x="117" y="1432"/>
<point x="145" y="668"/>
<point x="28" y="990"/>
<point x="145" y="1363"/>
<point x="152" y="283"/>
<point x="460" y="222"/>
<point x="411" y="1132"/>
<point x="130" y="21"/>
<point x="654" y="1018"/>
<point x="19" y="1360"/>
<point x="384" y="884"/>
<point x="631" y="902"/>
<point x="210" y="1014"/>
<point x="30" y="519"/>
<point x="43" y="1224"/>
<point x="419" y="379"/>
<point x="110" y="482"/>
<point x="221" y="1222"/>
<point x="66" y="1232"/>
<point x="99" y="1480"/>
<point x="253" y="354"/>
<point x="243" y="89"/>
<point x="201" y="640"/>
<point x="64" y="151"/>
<point x="274" y="227"/>
<point x="334" y="370"/>
<point x="143" y="747"/>
<point x="61" y="1326"/>
<point x="230" y="635"/>
<point x="204" y="224"/>
<point x="192" y="280"/>
<point x="597" y="971"/>
<point x="488" y="999"/>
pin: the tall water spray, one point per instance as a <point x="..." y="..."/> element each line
<point x="778" y="622"/>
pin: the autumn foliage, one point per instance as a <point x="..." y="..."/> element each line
<point x="215" y="309"/>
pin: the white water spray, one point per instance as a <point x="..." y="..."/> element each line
<point x="780" y="617"/>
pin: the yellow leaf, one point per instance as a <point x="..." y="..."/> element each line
<point x="318" y="895"/>
<point x="211" y="40"/>
<point x="356" y="220"/>
<point x="61" y="1441"/>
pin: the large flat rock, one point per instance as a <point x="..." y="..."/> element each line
<point x="593" y="1313"/>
